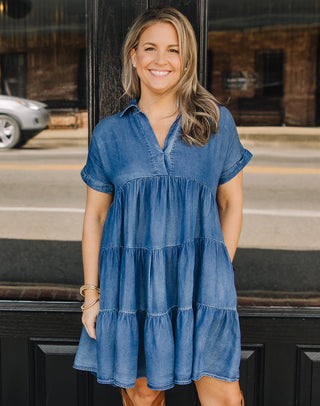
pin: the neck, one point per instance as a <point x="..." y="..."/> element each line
<point x="158" y="106"/>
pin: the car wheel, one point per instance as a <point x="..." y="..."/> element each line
<point x="10" y="134"/>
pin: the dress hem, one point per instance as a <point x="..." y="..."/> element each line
<point x="128" y="385"/>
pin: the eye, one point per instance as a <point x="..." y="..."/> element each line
<point x="149" y="49"/>
<point x="174" y="50"/>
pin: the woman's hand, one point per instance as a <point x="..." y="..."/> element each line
<point x="89" y="316"/>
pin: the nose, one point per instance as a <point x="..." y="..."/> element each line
<point x="161" y="57"/>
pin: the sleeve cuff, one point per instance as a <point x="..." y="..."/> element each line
<point x="236" y="168"/>
<point x="96" y="185"/>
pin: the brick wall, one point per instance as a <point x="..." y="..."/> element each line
<point x="234" y="51"/>
<point x="52" y="63"/>
<point x="52" y="75"/>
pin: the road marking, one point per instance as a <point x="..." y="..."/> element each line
<point x="41" y="167"/>
<point x="282" y="170"/>
<point x="283" y="213"/>
<point x="258" y="212"/>
<point x="43" y="209"/>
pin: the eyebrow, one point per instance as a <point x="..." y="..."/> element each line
<point x="152" y="43"/>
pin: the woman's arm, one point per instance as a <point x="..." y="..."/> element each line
<point x="230" y="205"/>
<point x="94" y="218"/>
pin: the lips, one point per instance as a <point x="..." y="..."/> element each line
<point x="160" y="73"/>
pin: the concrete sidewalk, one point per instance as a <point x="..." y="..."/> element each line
<point x="299" y="136"/>
<point x="306" y="137"/>
<point x="59" y="138"/>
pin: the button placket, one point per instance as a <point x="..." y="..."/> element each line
<point x="167" y="151"/>
<point x="160" y="158"/>
<point x="154" y="150"/>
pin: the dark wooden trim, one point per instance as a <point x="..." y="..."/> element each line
<point x="108" y="23"/>
<point x="279" y="312"/>
<point x="38" y="340"/>
<point x="39" y="306"/>
<point x="307" y="374"/>
<point x="93" y="110"/>
<point x="71" y="307"/>
<point x="202" y="28"/>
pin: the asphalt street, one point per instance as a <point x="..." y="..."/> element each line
<point x="42" y="202"/>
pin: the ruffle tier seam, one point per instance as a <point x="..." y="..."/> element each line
<point x="119" y="189"/>
<point x="165" y="246"/>
<point x="182" y="309"/>
<point x="227" y="309"/>
<point x="147" y="313"/>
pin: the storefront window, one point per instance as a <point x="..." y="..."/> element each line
<point x="264" y="57"/>
<point x="42" y="148"/>
<point x="263" y="64"/>
<point x="42" y="51"/>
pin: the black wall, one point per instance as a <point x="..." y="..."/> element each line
<point x="280" y="363"/>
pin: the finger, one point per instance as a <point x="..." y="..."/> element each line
<point x="92" y="333"/>
<point x="91" y="330"/>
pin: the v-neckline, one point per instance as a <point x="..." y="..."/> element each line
<point x="169" y="137"/>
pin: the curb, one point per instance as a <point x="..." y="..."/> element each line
<point x="59" y="138"/>
<point x="301" y="136"/>
<point x="298" y="136"/>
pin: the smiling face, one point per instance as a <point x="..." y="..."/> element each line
<point x="157" y="59"/>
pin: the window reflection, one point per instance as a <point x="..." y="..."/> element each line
<point x="43" y="52"/>
<point x="42" y="58"/>
<point x="264" y="63"/>
<point x="264" y="56"/>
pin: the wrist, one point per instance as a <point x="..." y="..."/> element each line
<point x="90" y="295"/>
<point x="88" y="305"/>
<point x="88" y="287"/>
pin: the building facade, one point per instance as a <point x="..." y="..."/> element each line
<point x="264" y="57"/>
<point x="43" y="53"/>
<point x="262" y="60"/>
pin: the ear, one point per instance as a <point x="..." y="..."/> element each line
<point x="133" y="57"/>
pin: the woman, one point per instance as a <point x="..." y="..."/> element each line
<point x="162" y="223"/>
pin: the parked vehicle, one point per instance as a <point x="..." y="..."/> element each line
<point x="20" y="120"/>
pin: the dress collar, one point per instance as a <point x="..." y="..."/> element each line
<point x="131" y="106"/>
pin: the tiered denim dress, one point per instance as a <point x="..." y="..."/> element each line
<point x="168" y="300"/>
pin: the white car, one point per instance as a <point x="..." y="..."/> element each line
<point x="20" y="120"/>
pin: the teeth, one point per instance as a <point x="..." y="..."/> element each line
<point x="159" y="73"/>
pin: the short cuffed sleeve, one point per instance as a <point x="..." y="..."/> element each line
<point x="237" y="157"/>
<point x="96" y="172"/>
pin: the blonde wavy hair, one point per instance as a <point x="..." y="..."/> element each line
<point x="199" y="109"/>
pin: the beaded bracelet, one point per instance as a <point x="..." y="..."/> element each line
<point x="85" y="307"/>
<point x="86" y="287"/>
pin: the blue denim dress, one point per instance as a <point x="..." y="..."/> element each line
<point x="168" y="300"/>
